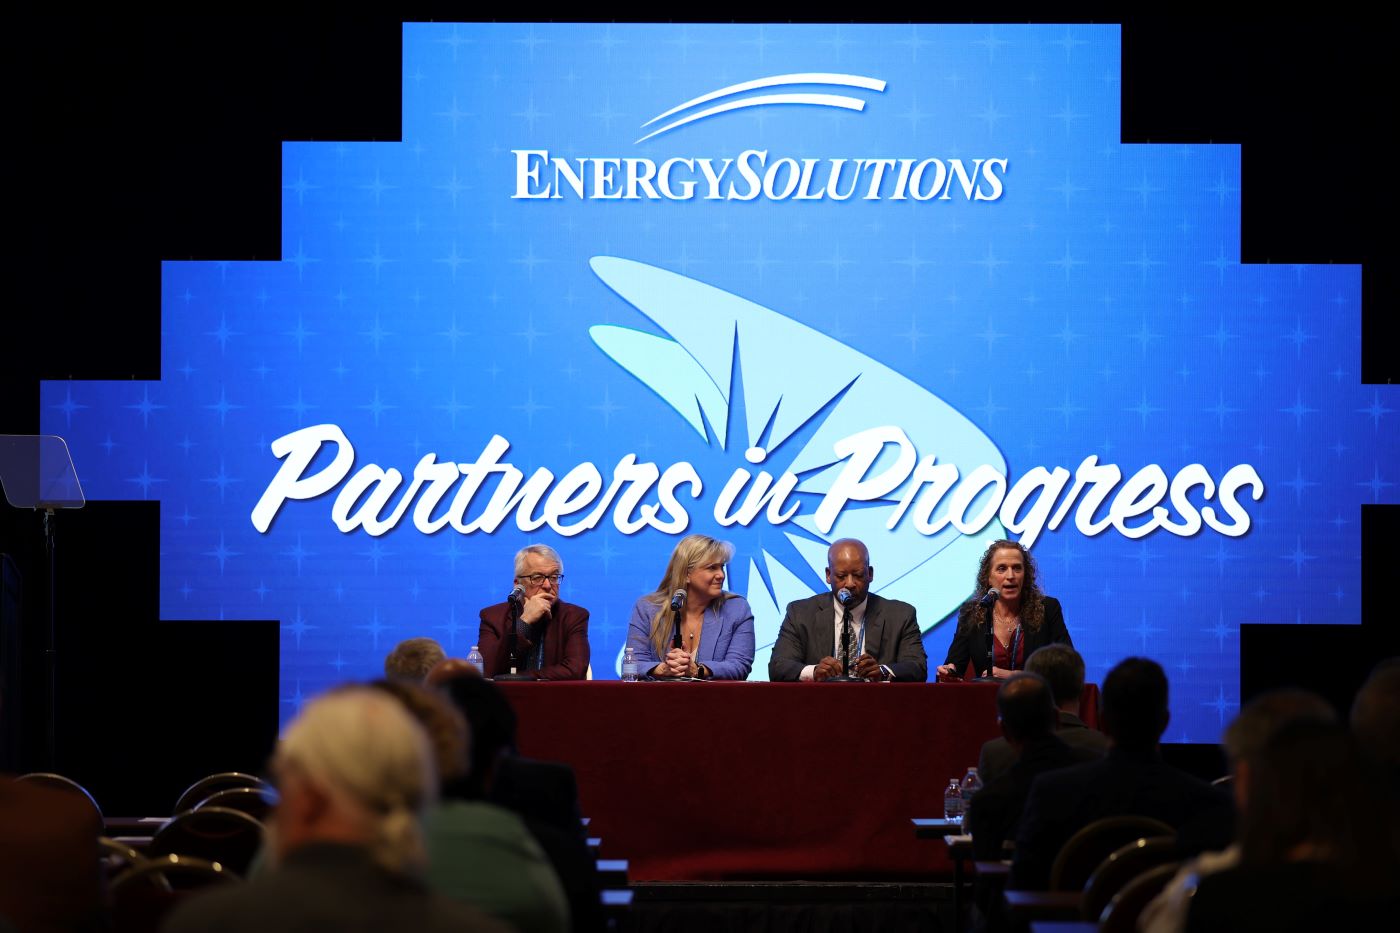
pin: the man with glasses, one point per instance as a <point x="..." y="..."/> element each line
<point x="551" y="636"/>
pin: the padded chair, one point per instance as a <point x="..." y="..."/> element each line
<point x="216" y="834"/>
<point x="1121" y="914"/>
<point x="1087" y="848"/>
<point x="1125" y="864"/>
<point x="206" y="787"/>
<point x="67" y="785"/>
<point x="257" y="802"/>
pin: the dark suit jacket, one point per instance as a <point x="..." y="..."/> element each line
<point x="1065" y="801"/>
<point x="970" y="638"/>
<point x="565" y="635"/>
<point x="891" y="637"/>
<point x="996" y="810"/>
<point x="997" y="756"/>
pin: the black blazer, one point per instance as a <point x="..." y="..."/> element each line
<point x="891" y="637"/>
<point x="970" y="639"/>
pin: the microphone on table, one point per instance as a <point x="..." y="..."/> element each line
<point x="986" y="602"/>
<point x="677" y="604"/>
<point x="843" y="596"/>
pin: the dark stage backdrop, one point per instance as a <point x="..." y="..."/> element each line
<point x="1154" y="258"/>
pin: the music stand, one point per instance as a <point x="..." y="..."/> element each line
<point x="36" y="472"/>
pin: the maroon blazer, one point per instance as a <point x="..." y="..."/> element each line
<point x="565" y="642"/>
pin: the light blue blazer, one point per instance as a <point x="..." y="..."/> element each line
<point x="726" y="640"/>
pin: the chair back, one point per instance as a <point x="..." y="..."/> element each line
<point x="142" y="895"/>
<point x="257" y="802"/>
<point x="1087" y="848"/>
<point x="216" y="834"/>
<point x="1122" y="866"/>
<point x="116" y="857"/>
<point x="67" y="785"/>
<point x="1121" y="914"/>
<point x="205" y="787"/>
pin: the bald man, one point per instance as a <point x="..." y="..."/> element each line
<point x="883" y="642"/>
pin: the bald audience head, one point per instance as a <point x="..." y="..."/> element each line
<point x="1026" y="708"/>
<point x="413" y="658"/>
<point x="1063" y="669"/>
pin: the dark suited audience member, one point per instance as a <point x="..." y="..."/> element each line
<point x="413" y="658"/>
<point x="1244" y="740"/>
<point x="1317" y="847"/>
<point x="479" y="853"/>
<point x="354" y="772"/>
<point x="1026" y="710"/>
<point x="1063" y="669"/>
<point x="544" y="794"/>
<point x="1132" y="779"/>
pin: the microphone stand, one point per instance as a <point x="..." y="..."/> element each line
<point x="991" y="643"/>
<point x="513" y="671"/>
<point x="676" y="643"/>
<point x="845" y="677"/>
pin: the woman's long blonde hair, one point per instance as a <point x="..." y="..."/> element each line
<point x="691" y="551"/>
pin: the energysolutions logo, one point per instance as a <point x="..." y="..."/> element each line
<point x="758" y="174"/>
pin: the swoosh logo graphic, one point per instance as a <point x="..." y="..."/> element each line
<point x="839" y="101"/>
<point x="791" y="374"/>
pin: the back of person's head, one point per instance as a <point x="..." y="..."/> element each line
<point x="1063" y="669"/>
<point x="370" y="761"/>
<point x="1310" y="800"/>
<point x="491" y="721"/>
<point x="1375" y="715"/>
<point x="413" y="658"/>
<point x="1026" y="707"/>
<point x="1135" y="704"/>
<point x="444" y="724"/>
<point x="1262" y="717"/>
<point x="448" y="668"/>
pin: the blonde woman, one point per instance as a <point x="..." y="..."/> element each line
<point x="716" y="627"/>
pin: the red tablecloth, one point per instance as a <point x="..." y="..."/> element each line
<point x="762" y="781"/>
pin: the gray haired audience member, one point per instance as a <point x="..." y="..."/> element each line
<point x="355" y="773"/>
<point x="1063" y="669"/>
<point x="413" y="658"/>
<point x="1244" y="740"/>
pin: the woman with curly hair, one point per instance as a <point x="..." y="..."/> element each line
<point x="1022" y="617"/>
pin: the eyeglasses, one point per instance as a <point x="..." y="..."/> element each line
<point x="538" y="579"/>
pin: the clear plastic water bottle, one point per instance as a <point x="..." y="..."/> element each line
<point x="952" y="801"/>
<point x="971" y="784"/>
<point x="475" y="659"/>
<point x="629" y="665"/>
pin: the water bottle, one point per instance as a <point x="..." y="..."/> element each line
<point x="475" y="659"/>
<point x="629" y="665"/>
<point x="971" y="784"/>
<point x="952" y="801"/>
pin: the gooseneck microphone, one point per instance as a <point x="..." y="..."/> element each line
<point x="989" y="597"/>
<point x="515" y="604"/>
<point x="677" y="604"/>
<point x="843" y="596"/>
